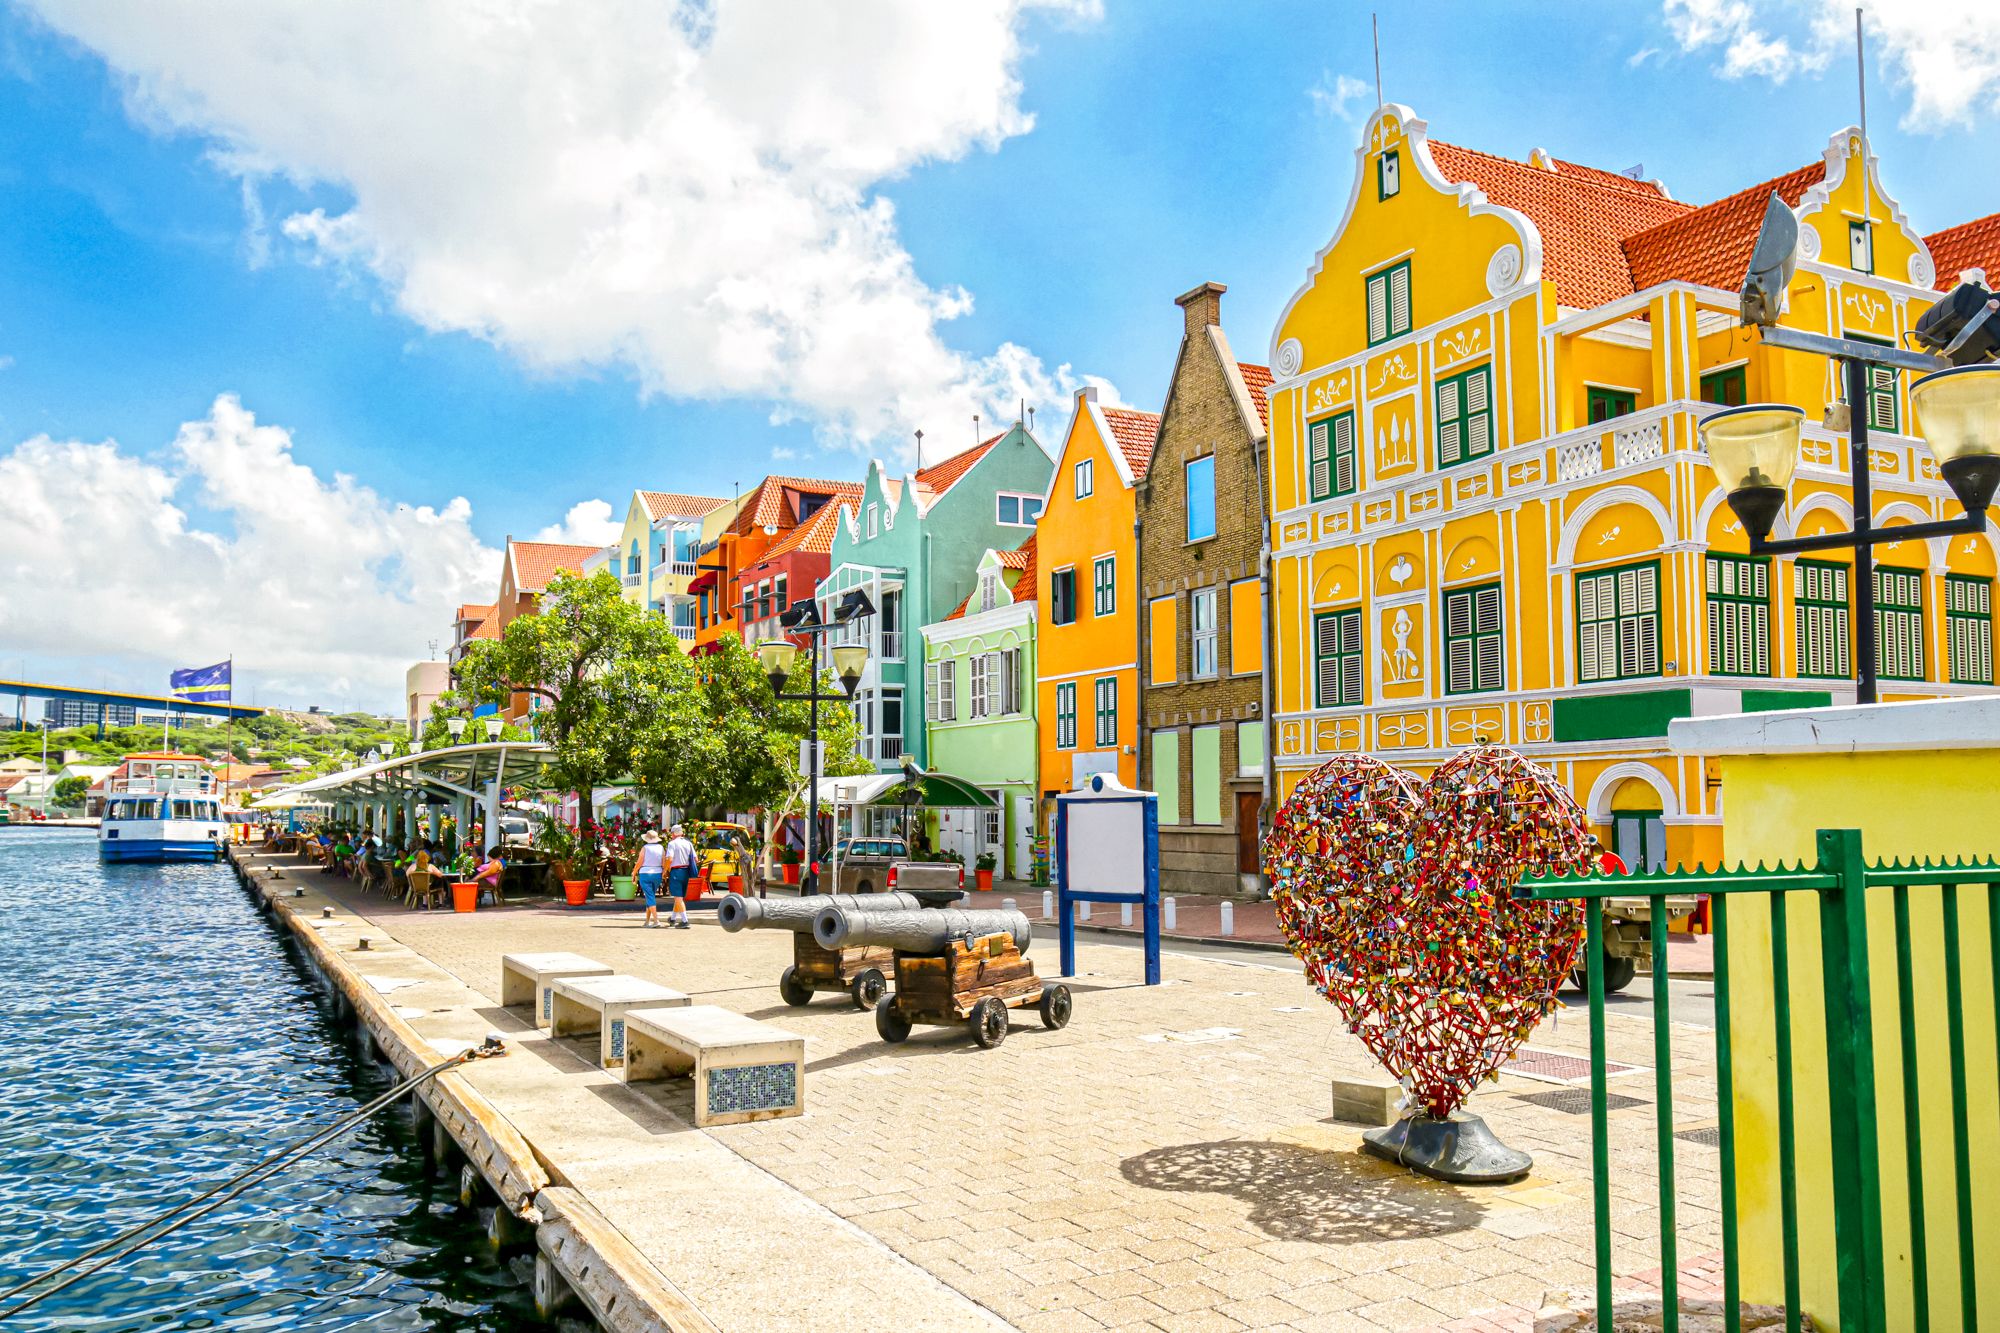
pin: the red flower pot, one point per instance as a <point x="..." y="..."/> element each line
<point x="697" y="887"/>
<point x="736" y="883"/>
<point x="791" y="872"/>
<point x="575" y="891"/>
<point x="984" y="879"/>
<point x="464" y="896"/>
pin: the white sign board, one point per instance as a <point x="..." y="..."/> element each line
<point x="1106" y="833"/>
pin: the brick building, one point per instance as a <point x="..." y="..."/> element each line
<point x="1201" y="536"/>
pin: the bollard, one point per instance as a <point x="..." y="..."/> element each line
<point x="1048" y="904"/>
<point x="1124" y="914"/>
<point x="1228" y="917"/>
<point x="1169" y="917"/>
<point x="1083" y="911"/>
<point x="326" y="913"/>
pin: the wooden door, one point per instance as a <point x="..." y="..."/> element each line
<point x="1246" y="832"/>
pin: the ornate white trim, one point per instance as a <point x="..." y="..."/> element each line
<point x="1503" y="270"/>
<point x="1291" y="356"/>
<point x="1923" y="273"/>
<point x="1605" y="499"/>
<point x="1612" y="778"/>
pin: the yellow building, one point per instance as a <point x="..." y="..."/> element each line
<point x="659" y="546"/>
<point x="1491" y="515"/>
<point x="1087" y="594"/>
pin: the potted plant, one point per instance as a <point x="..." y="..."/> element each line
<point x="983" y="872"/>
<point x="563" y="847"/>
<point x="791" y="858"/>
<point x="621" y="849"/>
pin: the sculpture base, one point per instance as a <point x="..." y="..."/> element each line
<point x="1461" y="1150"/>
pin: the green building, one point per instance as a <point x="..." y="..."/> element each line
<point x="979" y="710"/>
<point x="915" y="544"/>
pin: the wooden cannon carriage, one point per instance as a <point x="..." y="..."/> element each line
<point x="862" y="972"/>
<point x="951" y="967"/>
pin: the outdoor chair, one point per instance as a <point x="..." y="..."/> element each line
<point x="426" y="889"/>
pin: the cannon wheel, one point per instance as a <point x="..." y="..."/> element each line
<point x="794" y="992"/>
<point x="1055" y="1007"/>
<point x="868" y="988"/>
<point x="889" y="1022"/>
<point x="989" y="1022"/>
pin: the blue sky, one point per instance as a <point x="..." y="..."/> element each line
<point x="1172" y="142"/>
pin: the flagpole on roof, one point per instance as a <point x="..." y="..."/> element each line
<point x="1375" y="30"/>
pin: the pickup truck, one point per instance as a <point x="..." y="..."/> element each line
<point x="868" y="865"/>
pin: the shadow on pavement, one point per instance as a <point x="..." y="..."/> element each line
<point x="1304" y="1194"/>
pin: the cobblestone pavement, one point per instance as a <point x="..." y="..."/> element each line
<point x="1165" y="1162"/>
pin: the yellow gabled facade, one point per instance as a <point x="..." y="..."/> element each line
<point x="1086" y="609"/>
<point x="1492" y="519"/>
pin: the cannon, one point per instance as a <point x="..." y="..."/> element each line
<point x="797" y="914"/>
<point x="862" y="972"/>
<point x="951" y="967"/>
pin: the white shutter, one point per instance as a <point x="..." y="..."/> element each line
<point x="947" y="690"/>
<point x="1399" y="299"/>
<point x="1459" y="667"/>
<point x="1317" y="460"/>
<point x="1378" y="308"/>
<point x="1881" y="398"/>
<point x="1479" y="417"/>
<point x="1458" y="614"/>
<point x="932" y="692"/>
<point x="1486" y="612"/>
<point x="1450" y="428"/>
<point x="1491" y="673"/>
<point x="1012" y="702"/>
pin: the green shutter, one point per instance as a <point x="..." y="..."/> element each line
<point x="1330" y="457"/>
<point x="1899" y="624"/>
<point x="1337" y="661"/>
<point x="1969" y="628"/>
<point x="1739" y="616"/>
<point x="1465" y="416"/>
<point x="1473" y="640"/>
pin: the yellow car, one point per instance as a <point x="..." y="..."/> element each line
<point x="724" y="850"/>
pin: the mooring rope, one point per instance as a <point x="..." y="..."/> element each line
<point x="172" y="1219"/>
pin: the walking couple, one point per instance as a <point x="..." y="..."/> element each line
<point x="673" y="862"/>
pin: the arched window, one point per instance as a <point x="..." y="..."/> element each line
<point x="632" y="558"/>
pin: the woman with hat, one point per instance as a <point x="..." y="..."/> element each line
<point x="651" y="869"/>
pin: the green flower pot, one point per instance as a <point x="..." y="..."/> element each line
<point x="624" y="888"/>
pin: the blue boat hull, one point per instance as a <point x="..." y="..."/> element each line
<point x="157" y="849"/>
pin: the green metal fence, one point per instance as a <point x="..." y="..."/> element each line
<point x="1841" y="883"/>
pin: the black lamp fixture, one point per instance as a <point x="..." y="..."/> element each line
<point x="1754" y="450"/>
<point x="780" y="659"/>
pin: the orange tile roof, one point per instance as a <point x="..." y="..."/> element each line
<point x="488" y="628"/>
<point x="535" y="563"/>
<point x="1257" y="379"/>
<point x="1974" y="244"/>
<point x="1134" y="434"/>
<point x="765" y="508"/>
<point x="661" y="504"/>
<point x="1022" y="557"/>
<point x="1711" y="245"/>
<point x="940" y="477"/>
<point x="1582" y="214"/>
<point x="815" y="535"/>
<point x="473" y="611"/>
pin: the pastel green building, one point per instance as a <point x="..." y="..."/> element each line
<point x="979" y="710"/>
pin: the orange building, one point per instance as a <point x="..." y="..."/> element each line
<point x="524" y="576"/>
<point x="1087" y="599"/>
<point x="766" y="516"/>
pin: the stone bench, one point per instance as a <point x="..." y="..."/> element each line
<point x="599" y="1004"/>
<point x="529" y="978"/>
<point x="743" y="1069"/>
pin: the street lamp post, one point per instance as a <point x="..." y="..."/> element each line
<point x="779" y="658"/>
<point x="456" y="726"/>
<point x="1754" y="450"/>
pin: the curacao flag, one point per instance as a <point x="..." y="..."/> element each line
<point x="202" y="685"/>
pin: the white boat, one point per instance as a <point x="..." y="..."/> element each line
<point x="162" y="807"/>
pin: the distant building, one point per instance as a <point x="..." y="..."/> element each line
<point x="87" y="713"/>
<point x="422" y="684"/>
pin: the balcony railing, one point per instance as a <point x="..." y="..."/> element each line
<point x="630" y="580"/>
<point x="892" y="645"/>
<point x="686" y="569"/>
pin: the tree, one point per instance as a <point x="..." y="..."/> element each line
<point x="71" y="791"/>
<point x="734" y="743"/>
<point x="600" y="666"/>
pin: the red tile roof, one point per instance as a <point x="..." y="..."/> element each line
<point x="488" y="628"/>
<point x="1022" y="557"/>
<point x="1582" y="214"/>
<point x="940" y="477"/>
<point x="765" y="508"/>
<point x="661" y="504"/>
<point x="473" y="611"/>
<point x="1974" y="244"/>
<point x="1257" y="379"/>
<point x="535" y="563"/>
<point x="1134" y="433"/>
<point x="1711" y="244"/>
<point x="815" y="535"/>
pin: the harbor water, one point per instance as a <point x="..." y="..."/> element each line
<point x="156" y="1038"/>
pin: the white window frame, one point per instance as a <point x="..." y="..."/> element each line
<point x="1202" y="636"/>
<point x="1021" y="499"/>
<point x="1085" y="476"/>
<point x="873" y="518"/>
<point x="941" y="691"/>
<point x="1066" y="715"/>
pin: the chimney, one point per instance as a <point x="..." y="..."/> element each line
<point x="1087" y="394"/>
<point x="1203" y="306"/>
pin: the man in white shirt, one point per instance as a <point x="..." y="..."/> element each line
<point x="680" y="869"/>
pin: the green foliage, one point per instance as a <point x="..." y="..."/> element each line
<point x="71" y="791"/>
<point x="269" y="739"/>
<point x="986" y="861"/>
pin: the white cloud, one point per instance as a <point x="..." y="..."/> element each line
<point x="1944" y="60"/>
<point x="1336" y="95"/>
<point x="322" y="590"/>
<point x="588" y="523"/>
<point x="1645" y="55"/>
<point x="687" y="189"/>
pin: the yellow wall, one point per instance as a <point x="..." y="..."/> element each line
<point x="1896" y="799"/>
<point x="1072" y="534"/>
<point x="1558" y="499"/>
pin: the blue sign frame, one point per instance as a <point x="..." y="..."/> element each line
<point x="1147" y="899"/>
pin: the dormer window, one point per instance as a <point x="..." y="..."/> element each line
<point x="1389" y="175"/>
<point x="1860" y="247"/>
<point x="874" y="527"/>
<point x="989" y="590"/>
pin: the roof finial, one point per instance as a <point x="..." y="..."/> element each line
<point x="975" y="428"/>
<point x="920" y="448"/>
<point x="1375" y="27"/>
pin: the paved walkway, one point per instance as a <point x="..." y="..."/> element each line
<point x="1165" y="1162"/>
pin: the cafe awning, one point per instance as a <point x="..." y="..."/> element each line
<point x="940" y="789"/>
<point x="456" y="770"/>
